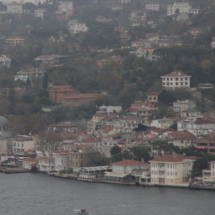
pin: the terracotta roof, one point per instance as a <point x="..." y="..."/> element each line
<point x="173" y="158"/>
<point x="82" y="96"/>
<point x="204" y="121"/>
<point x="181" y="134"/>
<point x="154" y="94"/>
<point x="129" y="163"/>
<point x="30" y="160"/>
<point x="176" y="74"/>
<point x="92" y="140"/>
<point x="208" y="139"/>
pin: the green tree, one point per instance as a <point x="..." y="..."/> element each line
<point x="201" y="163"/>
<point x="140" y="152"/>
<point x="115" y="150"/>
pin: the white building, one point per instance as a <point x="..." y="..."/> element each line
<point x="14" y="7"/>
<point x="109" y="109"/>
<point x="46" y="164"/>
<point x="5" y="61"/>
<point x="152" y="7"/>
<point x="32" y="73"/>
<point x="208" y="175"/>
<point x="180" y="106"/>
<point x="61" y="162"/>
<point x="198" y="127"/>
<point x="125" y="1"/>
<point x="127" y="166"/>
<point x="74" y="27"/>
<point x="213" y="44"/>
<point x="181" y="7"/>
<point x="175" y="80"/>
<point x="28" y="162"/>
<point x="39" y="13"/>
<point x="15" y="41"/>
<point x="147" y="53"/>
<point x="171" y="169"/>
<point x="65" y="6"/>
<point x="23" y="143"/>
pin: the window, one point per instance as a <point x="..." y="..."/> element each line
<point x="176" y="83"/>
<point x="186" y="83"/>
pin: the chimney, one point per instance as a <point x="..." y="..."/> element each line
<point x="142" y="160"/>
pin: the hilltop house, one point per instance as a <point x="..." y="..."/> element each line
<point x="175" y="80"/>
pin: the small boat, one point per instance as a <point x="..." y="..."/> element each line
<point x="80" y="211"/>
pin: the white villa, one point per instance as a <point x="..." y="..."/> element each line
<point x="171" y="169"/>
<point x="175" y="80"/>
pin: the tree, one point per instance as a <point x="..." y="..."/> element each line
<point x="49" y="142"/>
<point x="115" y="150"/>
<point x="201" y="163"/>
<point x="140" y="152"/>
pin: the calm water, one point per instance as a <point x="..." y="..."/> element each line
<point x="39" y="194"/>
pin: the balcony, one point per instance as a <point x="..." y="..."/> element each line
<point x="161" y="176"/>
<point x="161" y="168"/>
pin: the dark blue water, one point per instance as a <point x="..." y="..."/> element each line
<point x="39" y="194"/>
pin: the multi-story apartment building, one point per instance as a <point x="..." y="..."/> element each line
<point x="5" y="61"/>
<point x="200" y="127"/>
<point x="171" y="169"/>
<point x="175" y="80"/>
<point x="14" y="7"/>
<point x="15" y="41"/>
<point x="75" y="27"/>
<point x="206" y="143"/>
<point x="46" y="164"/>
<point x="181" y="7"/>
<point x="65" y="5"/>
<point x="82" y="156"/>
<point x="208" y="175"/>
<point x="32" y="73"/>
<point x="152" y="7"/>
<point x="180" y="106"/>
<point x="23" y="143"/>
<point x="39" y="13"/>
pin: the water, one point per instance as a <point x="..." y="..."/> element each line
<point x="39" y="194"/>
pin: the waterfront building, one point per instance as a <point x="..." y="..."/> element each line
<point x="23" y="143"/>
<point x="208" y="175"/>
<point x="171" y="169"/>
<point x="46" y="164"/>
<point x="28" y="163"/>
<point x="82" y="156"/>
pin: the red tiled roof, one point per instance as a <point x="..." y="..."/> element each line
<point x="30" y="160"/>
<point x="204" y="121"/>
<point x="154" y="94"/>
<point x="208" y="139"/>
<point x="82" y="96"/>
<point x="129" y="163"/>
<point x="173" y="158"/>
<point x="181" y="134"/>
<point x="176" y="74"/>
<point x="92" y="140"/>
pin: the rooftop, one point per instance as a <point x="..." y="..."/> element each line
<point x="129" y="163"/>
<point x="176" y="74"/>
<point x="173" y="158"/>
